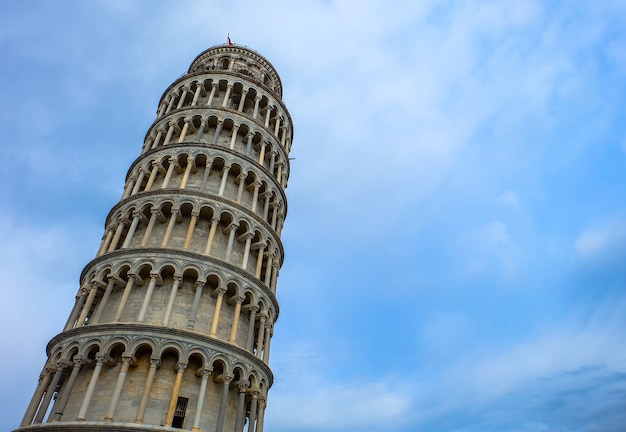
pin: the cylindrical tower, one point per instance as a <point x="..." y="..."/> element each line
<point x="173" y="319"/>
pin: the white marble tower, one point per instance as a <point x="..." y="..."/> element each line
<point x="174" y="316"/>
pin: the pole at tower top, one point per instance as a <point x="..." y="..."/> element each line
<point x="229" y="42"/>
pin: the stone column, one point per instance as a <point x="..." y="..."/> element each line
<point x="161" y="109"/>
<point x="218" y="131"/>
<point x="216" y="315"/>
<point x="52" y="388"/>
<point x="268" y="268"/>
<point x="266" y="349"/>
<point x="146" y="300"/>
<point x="266" y="204"/>
<point x="206" y="174"/>
<point x="129" y="187"/>
<point x="221" y="415"/>
<point x="257" y="101"/>
<point x="78" y="307"/>
<point x="170" y="132"/>
<point x="231" y="230"/>
<point x="209" y="243"/>
<point x="241" y="178"/>
<point x="259" y="341"/>
<point x="154" y="214"/>
<point x="280" y="223"/>
<point x="192" y="226"/>
<point x="170" y="227"/>
<point x="175" y="392"/>
<point x="121" y="224"/>
<point x="268" y="113"/>
<point x="246" y="251"/>
<point x="145" y="397"/>
<point x="252" y="416"/>
<point x="100" y="360"/>
<point x="279" y="173"/>
<point x="233" y="330"/>
<point x="277" y="126"/>
<point x="255" y="195"/>
<point x="196" y="304"/>
<point x="183" y="133"/>
<point x="92" y="295"/>
<point x="170" y="304"/>
<point x="125" y="294"/>
<point x="190" y="165"/>
<point x="229" y="88"/>
<point x="274" y="277"/>
<point x="233" y="137"/>
<point x="242" y="101"/>
<point x="262" y="153"/>
<point x="252" y="321"/>
<point x="275" y="205"/>
<point x="201" y="129"/>
<point x="225" y="171"/>
<point x="212" y="95"/>
<point x="42" y="386"/>
<point x="171" y="102"/>
<point x="181" y="101"/>
<point x="117" y="391"/>
<point x="273" y="154"/>
<point x="196" y="95"/>
<point x="107" y="240"/>
<point x="153" y="173"/>
<point x="95" y="319"/>
<point x="137" y="216"/>
<point x="241" y="405"/>
<point x="66" y="391"/>
<point x="204" y="372"/>
<point x="261" y="415"/>
<point x="259" y="259"/>
<point x="157" y="138"/>
<point x="170" y="170"/>
<point x="249" y="144"/>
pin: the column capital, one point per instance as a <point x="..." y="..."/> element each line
<point x="242" y="386"/>
<point x="181" y="366"/>
<point x="195" y="213"/>
<point x="237" y="299"/>
<point x="79" y="360"/>
<point x="63" y="364"/>
<point x="103" y="359"/>
<point x="254" y="391"/>
<point x="262" y="403"/>
<point x="251" y="308"/>
<point x="226" y="378"/>
<point x="204" y="371"/>
<point x="156" y="362"/>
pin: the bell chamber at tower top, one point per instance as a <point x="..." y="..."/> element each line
<point x="240" y="60"/>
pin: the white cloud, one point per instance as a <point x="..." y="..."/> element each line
<point x="306" y="395"/>
<point x="602" y="240"/>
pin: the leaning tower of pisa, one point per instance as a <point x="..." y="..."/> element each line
<point x="173" y="319"/>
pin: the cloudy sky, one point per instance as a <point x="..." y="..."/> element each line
<point x="456" y="236"/>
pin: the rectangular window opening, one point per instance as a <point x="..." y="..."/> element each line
<point x="179" y="413"/>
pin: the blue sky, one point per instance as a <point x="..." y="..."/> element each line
<point x="456" y="236"/>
